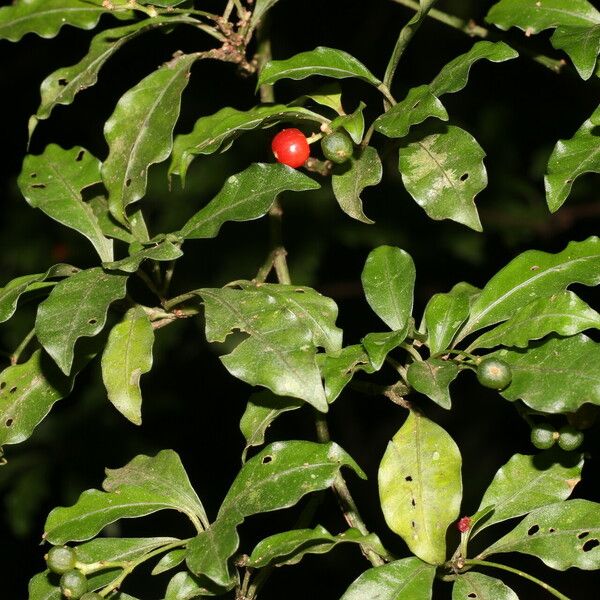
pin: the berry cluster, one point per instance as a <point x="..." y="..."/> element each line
<point x="62" y="560"/>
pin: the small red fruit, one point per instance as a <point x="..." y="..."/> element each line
<point x="290" y="147"/>
<point x="464" y="524"/>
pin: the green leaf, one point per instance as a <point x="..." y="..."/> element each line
<point x="285" y="325"/>
<point x="246" y="196"/>
<point x="379" y="345"/>
<point x="53" y="182"/>
<point x="526" y="482"/>
<point x="262" y="409"/>
<point x="109" y="226"/>
<point x="163" y="3"/>
<point x="363" y="171"/>
<point x="446" y="313"/>
<point x="562" y="535"/>
<point x="570" y="159"/>
<point x="420" y="488"/>
<point x="326" y="62"/>
<point x="61" y="86"/>
<point x="557" y="375"/>
<point x="261" y="7"/>
<point x="432" y="377"/>
<point x="533" y="16"/>
<point x="475" y="585"/>
<point x="338" y="368"/>
<point x="217" y="131"/>
<point x="169" y="561"/>
<point x="185" y="586"/>
<point x="143" y="486"/>
<point x="276" y="478"/>
<point x="443" y="172"/>
<point x="388" y="280"/>
<point x="329" y="95"/>
<point x="582" y="44"/>
<point x="42" y="588"/>
<point x="164" y="250"/>
<point x="353" y="123"/>
<point x="419" y="104"/>
<point x="127" y="356"/>
<point x="14" y="289"/>
<point x="77" y="307"/>
<point x="454" y="76"/>
<point x="563" y="313"/>
<point x="406" y="578"/>
<point x="531" y="275"/>
<point x="140" y="132"/>
<point x="289" y="547"/>
<point x="46" y="17"/>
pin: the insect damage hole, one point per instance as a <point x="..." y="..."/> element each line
<point x="127" y="182"/>
<point x="13" y="389"/>
<point x="80" y="156"/>
<point x="413" y="503"/>
<point x="9" y="422"/>
<point x="62" y="82"/>
<point x="583" y="535"/>
<point x="472" y="595"/>
<point x="267" y="459"/>
<point x="464" y="177"/>
<point x="533" y="530"/>
<point x="39" y="186"/>
<point x="2" y="385"/>
<point x="590" y="545"/>
<point x="93" y="321"/>
<point x="408" y="478"/>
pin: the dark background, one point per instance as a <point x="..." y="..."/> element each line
<point x="516" y="110"/>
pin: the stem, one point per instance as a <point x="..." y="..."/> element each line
<point x="149" y="283"/>
<point x="345" y="498"/>
<point x="14" y="357"/>
<point x="457" y="352"/>
<point x="280" y="264"/>
<point x="404" y="38"/>
<point x="170" y="304"/>
<point x="493" y="565"/>
<point x="170" y="268"/>
<point x="474" y="30"/>
<point x="263" y="55"/>
<point x="412" y="351"/>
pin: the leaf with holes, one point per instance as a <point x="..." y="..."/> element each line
<point x="556" y="375"/>
<point x="531" y="275"/>
<point x="29" y="390"/>
<point x="61" y="86"/>
<point x="563" y="313"/>
<point x="470" y="585"/>
<point x="246" y="196"/>
<point x="420" y="487"/>
<point x="14" y="289"/>
<point x="379" y="344"/>
<point x="289" y="547"/>
<point x="285" y="326"/>
<point x="562" y="535"/>
<point x="77" y="307"/>
<point x="570" y="159"/>
<point x="218" y="131"/>
<point x="388" y="280"/>
<point x="433" y="377"/>
<point x="326" y="62"/>
<point x="53" y="182"/>
<point x="363" y="171"/>
<point x="446" y="313"/>
<point x="419" y="104"/>
<point x="407" y="578"/>
<point x="443" y="171"/>
<point x="127" y="356"/>
<point x="262" y="409"/>
<point x="143" y="486"/>
<point x="140" y="132"/>
<point x="164" y="250"/>
<point x="46" y="17"/>
<point x="338" y="368"/>
<point x="582" y="44"/>
<point x="276" y="478"/>
<point x="454" y="76"/>
<point x="526" y="482"/>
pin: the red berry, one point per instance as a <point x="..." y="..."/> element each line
<point x="464" y="524"/>
<point x="290" y="147"/>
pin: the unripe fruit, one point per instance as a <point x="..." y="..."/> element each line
<point x="464" y="524"/>
<point x="494" y="373"/>
<point x="290" y="147"/>
<point x="337" y="146"/>
<point x="543" y="436"/>
<point x="569" y="438"/>
<point x="61" y="559"/>
<point x="73" y="584"/>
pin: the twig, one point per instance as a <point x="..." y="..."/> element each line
<point x="14" y="357"/>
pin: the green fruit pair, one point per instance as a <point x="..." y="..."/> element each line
<point x="543" y="436"/>
<point x="337" y="147"/>
<point x="74" y="585"/>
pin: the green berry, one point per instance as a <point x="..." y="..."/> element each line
<point x="337" y="146"/>
<point x="543" y="436"/>
<point x="73" y="584"/>
<point x="61" y="559"/>
<point x="91" y="596"/>
<point x="494" y="373"/>
<point x="569" y="438"/>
